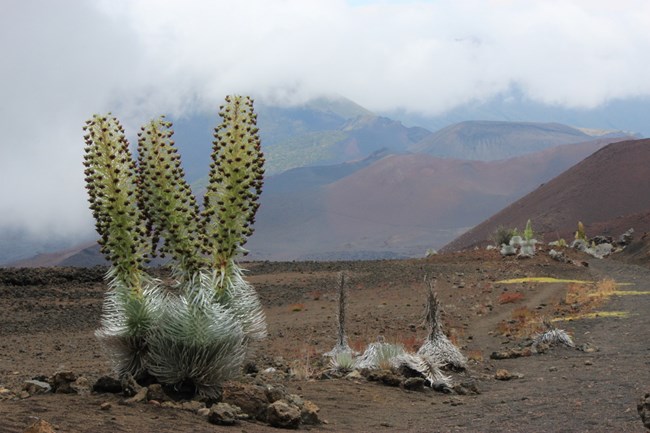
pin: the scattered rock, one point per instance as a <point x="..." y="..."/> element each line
<point x="467" y="387"/>
<point x="141" y="395"/>
<point x="192" y="406"/>
<point x="309" y="413"/>
<point x="34" y="387"/>
<point x="275" y="393"/>
<point x="107" y="384"/>
<point x="81" y="386"/>
<point x="129" y="386"/>
<point x="354" y="375"/>
<point x="222" y="414"/>
<point x="589" y="362"/>
<point x="559" y="256"/>
<point x="155" y="392"/>
<point x="511" y="353"/>
<point x="503" y="374"/>
<point x="5" y="393"/>
<point x="62" y="382"/>
<point x="203" y="412"/>
<point x="541" y="347"/>
<point x="283" y="415"/>
<point x="414" y="384"/>
<point x="643" y="407"/>
<point x="251" y="399"/>
<point x="40" y="426"/>
<point x="105" y="406"/>
<point x="386" y="377"/>
<point x="626" y="238"/>
<point x="588" y="348"/>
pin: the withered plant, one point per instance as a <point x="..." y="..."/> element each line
<point x="437" y="346"/>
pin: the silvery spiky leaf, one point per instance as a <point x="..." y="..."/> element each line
<point x="127" y="321"/>
<point x="379" y="355"/>
<point x="408" y="363"/>
<point x="515" y="241"/>
<point x="242" y="301"/>
<point x="342" y="361"/>
<point x="552" y="337"/>
<point x="196" y="343"/>
<point x="437" y="346"/>
<point x="442" y="351"/>
<point x="527" y="248"/>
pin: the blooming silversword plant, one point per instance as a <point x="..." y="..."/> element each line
<point x="199" y="332"/>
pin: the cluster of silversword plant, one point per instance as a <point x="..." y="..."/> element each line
<point x="197" y="331"/>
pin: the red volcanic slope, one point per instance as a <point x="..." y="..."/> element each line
<point x="608" y="191"/>
<point x="421" y="200"/>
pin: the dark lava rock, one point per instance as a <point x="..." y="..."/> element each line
<point x="223" y="414"/>
<point x="62" y="382"/>
<point x="156" y="392"/>
<point x="386" y="377"/>
<point x="252" y="399"/>
<point x="107" y="384"/>
<point x="643" y="407"/>
<point x="414" y="383"/>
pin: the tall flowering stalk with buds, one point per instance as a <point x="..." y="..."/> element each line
<point x="200" y="333"/>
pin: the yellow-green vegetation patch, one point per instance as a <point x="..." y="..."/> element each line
<point x="622" y="293"/>
<point x="594" y="315"/>
<point x="551" y="280"/>
<point x="541" y="280"/>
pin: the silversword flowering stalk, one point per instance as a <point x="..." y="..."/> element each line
<point x="200" y="333"/>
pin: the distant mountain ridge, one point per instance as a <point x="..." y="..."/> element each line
<point x="323" y="131"/>
<point x="494" y="140"/>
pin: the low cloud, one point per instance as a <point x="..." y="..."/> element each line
<point x="65" y="60"/>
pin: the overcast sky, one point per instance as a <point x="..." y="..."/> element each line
<point x="64" y="60"/>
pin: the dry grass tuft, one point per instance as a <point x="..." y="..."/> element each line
<point x="510" y="297"/>
<point x="296" y="307"/>
<point x="524" y="323"/>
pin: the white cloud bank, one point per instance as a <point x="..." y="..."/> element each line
<point x="64" y="60"/>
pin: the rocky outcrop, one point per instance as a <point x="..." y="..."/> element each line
<point x="643" y="407"/>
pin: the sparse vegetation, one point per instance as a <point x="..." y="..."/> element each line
<point x="437" y="346"/>
<point x="552" y="336"/>
<point x="510" y="297"/>
<point x="502" y="235"/>
<point x="200" y="335"/>
<point x="580" y="234"/>
<point x="342" y="345"/>
<point x="523" y="323"/>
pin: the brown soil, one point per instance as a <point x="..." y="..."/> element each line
<point x="49" y="316"/>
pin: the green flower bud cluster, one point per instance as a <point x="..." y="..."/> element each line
<point x="166" y="199"/>
<point x="112" y="193"/>
<point x="236" y="177"/>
